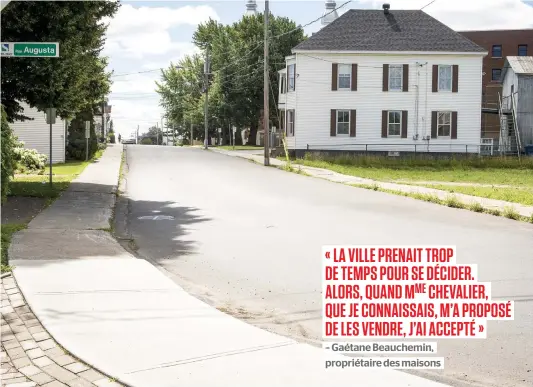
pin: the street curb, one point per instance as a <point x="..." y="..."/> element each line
<point x="67" y="351"/>
<point x="72" y="354"/>
<point x="376" y="186"/>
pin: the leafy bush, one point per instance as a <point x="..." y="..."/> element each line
<point x="28" y="160"/>
<point x="112" y="138"/>
<point x="146" y="141"/>
<point x="102" y="146"/>
<point x="76" y="138"/>
<point x="8" y="157"/>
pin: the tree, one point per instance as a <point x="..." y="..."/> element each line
<point x="76" y="135"/>
<point x="8" y="158"/>
<point x="73" y="81"/>
<point x="154" y="134"/>
<point x="236" y="86"/>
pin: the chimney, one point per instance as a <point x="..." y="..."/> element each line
<point x="386" y="8"/>
<point x="330" y="14"/>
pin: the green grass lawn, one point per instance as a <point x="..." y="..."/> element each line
<point x="240" y="147"/>
<point x="488" y="171"/>
<point x="413" y="171"/>
<point x="7" y="231"/>
<point x="515" y="195"/>
<point x="39" y="186"/>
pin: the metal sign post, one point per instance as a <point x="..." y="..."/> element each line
<point x="50" y="119"/>
<point x="87" y="136"/>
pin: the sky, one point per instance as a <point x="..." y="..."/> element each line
<point x="145" y="36"/>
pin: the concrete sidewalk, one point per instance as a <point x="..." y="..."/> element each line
<point x="127" y="319"/>
<point x="327" y="174"/>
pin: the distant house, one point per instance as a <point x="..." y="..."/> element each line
<point x="499" y="44"/>
<point x="36" y="133"/>
<point x="517" y="97"/>
<point x="383" y="81"/>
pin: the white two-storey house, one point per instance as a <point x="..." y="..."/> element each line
<point x="382" y="81"/>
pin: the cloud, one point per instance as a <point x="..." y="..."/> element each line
<point x="141" y="39"/>
<point x="145" y="31"/>
<point x="462" y="15"/>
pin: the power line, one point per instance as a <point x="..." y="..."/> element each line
<point x="137" y="72"/>
<point x="301" y="27"/>
<point x="427" y="5"/>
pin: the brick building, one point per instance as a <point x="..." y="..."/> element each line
<point x="499" y="44"/>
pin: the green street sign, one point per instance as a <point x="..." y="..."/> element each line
<point x="30" y="50"/>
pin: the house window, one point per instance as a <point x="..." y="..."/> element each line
<point x="496" y="74"/>
<point x="394" y="125"/>
<point x="291" y="78"/>
<point x="283" y="83"/>
<point x="444" y="124"/>
<point x="522" y="50"/>
<point x="290" y="122"/>
<point x="445" y="78"/>
<point x="343" y="122"/>
<point x="345" y="76"/>
<point x="497" y="51"/>
<point x="395" y="77"/>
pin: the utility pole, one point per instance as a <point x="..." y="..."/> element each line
<point x="162" y="129"/>
<point x="191" y="144"/>
<point x="157" y="133"/>
<point x="137" y="135"/>
<point x="103" y="118"/>
<point x="206" y="80"/>
<point x="266" y="120"/>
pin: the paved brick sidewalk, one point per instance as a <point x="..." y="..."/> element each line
<point x="30" y="357"/>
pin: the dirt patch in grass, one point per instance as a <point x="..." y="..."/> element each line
<point x="7" y="231"/>
<point x="22" y="209"/>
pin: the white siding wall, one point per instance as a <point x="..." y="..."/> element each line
<point x="290" y="103"/>
<point x="315" y="99"/>
<point x="36" y="134"/>
<point x="509" y="79"/>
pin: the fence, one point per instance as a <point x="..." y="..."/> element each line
<point x="487" y="148"/>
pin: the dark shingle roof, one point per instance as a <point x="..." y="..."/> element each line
<point x="402" y="30"/>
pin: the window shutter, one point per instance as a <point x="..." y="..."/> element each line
<point x="353" y="118"/>
<point x="295" y="76"/>
<point x="354" y="77"/>
<point x="385" y="77"/>
<point x="455" y="79"/>
<point x="404" y="123"/>
<point x="384" y="121"/>
<point x="334" y="76"/>
<point x="293" y="116"/>
<point x="433" y="124"/>
<point x="435" y="78"/>
<point x="405" y="77"/>
<point x="333" y="125"/>
<point x="454" y="125"/>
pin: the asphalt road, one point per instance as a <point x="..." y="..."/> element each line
<point x="248" y="240"/>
